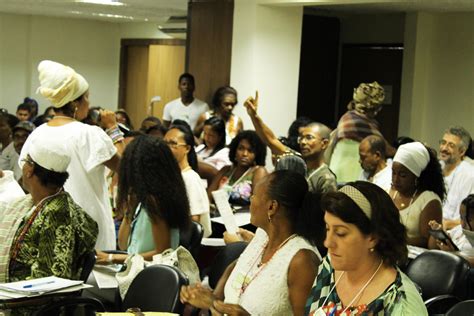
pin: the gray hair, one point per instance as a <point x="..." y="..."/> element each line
<point x="460" y="132"/>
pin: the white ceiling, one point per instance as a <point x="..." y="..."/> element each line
<point x="396" y="6"/>
<point x="157" y="11"/>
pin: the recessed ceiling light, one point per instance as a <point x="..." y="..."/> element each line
<point x="103" y="2"/>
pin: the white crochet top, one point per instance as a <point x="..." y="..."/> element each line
<point x="267" y="292"/>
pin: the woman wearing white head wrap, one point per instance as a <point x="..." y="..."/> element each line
<point x="89" y="147"/>
<point x="417" y="191"/>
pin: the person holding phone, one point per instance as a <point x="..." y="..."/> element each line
<point x="456" y="239"/>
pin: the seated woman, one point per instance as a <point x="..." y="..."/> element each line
<point x="365" y="242"/>
<point x="223" y="103"/>
<point x="213" y="155"/>
<point x="155" y="210"/>
<point x="44" y="233"/>
<point x="180" y="139"/>
<point x="273" y="275"/>
<point x="417" y="191"/>
<point x="247" y="153"/>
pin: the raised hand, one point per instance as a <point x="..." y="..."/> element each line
<point x="251" y="104"/>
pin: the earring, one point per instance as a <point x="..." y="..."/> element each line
<point x="372" y="249"/>
<point x="269" y="219"/>
<point x="75" y="110"/>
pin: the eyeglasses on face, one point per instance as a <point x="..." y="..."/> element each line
<point x="450" y="145"/>
<point x="173" y="143"/>
<point x="308" y="138"/>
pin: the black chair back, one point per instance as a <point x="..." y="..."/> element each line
<point x="156" y="289"/>
<point x="465" y="308"/>
<point x="439" y="305"/>
<point x="88" y="261"/>
<point x="72" y="305"/>
<point x="191" y="238"/>
<point x="225" y="257"/>
<point x="439" y="272"/>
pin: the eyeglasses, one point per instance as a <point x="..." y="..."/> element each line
<point x="450" y="145"/>
<point x="173" y="144"/>
<point x="308" y="138"/>
<point x="28" y="159"/>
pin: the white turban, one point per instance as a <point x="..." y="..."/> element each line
<point x="413" y="156"/>
<point x="49" y="154"/>
<point x="60" y="84"/>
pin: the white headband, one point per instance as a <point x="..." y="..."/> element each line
<point x="358" y="198"/>
<point x="414" y="156"/>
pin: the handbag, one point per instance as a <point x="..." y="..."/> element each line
<point x="180" y="258"/>
<point x="134" y="264"/>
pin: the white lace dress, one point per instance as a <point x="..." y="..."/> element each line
<point x="267" y="292"/>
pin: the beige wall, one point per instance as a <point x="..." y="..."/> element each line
<point x="91" y="47"/>
<point x="265" y="57"/>
<point x="438" y="75"/>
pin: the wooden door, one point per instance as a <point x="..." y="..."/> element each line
<point x="136" y="90"/>
<point x="149" y="68"/>
<point x="165" y="65"/>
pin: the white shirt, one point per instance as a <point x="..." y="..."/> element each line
<point x="9" y="161"/>
<point x="383" y="178"/>
<point x="198" y="200"/>
<point x="9" y="189"/>
<point x="459" y="184"/>
<point x="219" y="160"/>
<point x="89" y="147"/>
<point x="189" y="113"/>
<point x="458" y="237"/>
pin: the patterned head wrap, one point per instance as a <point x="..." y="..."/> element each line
<point x="367" y="97"/>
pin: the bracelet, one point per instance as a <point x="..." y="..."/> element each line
<point x="115" y="133"/>
<point x="110" y="258"/>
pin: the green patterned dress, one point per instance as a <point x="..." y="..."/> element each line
<point x="400" y="298"/>
<point x="59" y="235"/>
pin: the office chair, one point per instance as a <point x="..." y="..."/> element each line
<point x="156" y="288"/>
<point x="439" y="272"/>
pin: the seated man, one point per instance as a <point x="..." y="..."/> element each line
<point x="11" y="154"/>
<point x="459" y="233"/>
<point x="44" y="233"/>
<point x="376" y="168"/>
<point x="313" y="140"/>
<point x="458" y="174"/>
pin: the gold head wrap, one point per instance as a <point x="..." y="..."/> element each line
<point x="367" y="97"/>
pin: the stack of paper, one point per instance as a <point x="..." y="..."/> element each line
<point x="39" y="286"/>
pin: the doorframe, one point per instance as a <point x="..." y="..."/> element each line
<point x="124" y="44"/>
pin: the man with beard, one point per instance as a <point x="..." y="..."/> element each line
<point x="186" y="107"/>
<point x="458" y="174"/>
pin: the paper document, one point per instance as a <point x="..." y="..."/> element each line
<point x="241" y="219"/>
<point x="213" y="242"/>
<point x="222" y="202"/>
<point x="39" y="286"/>
<point x="105" y="280"/>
